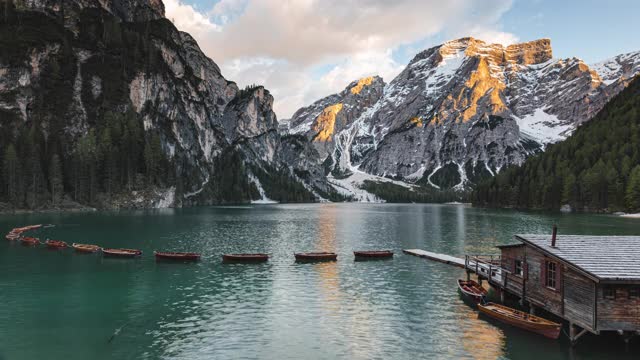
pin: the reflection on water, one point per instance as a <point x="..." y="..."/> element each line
<point x="328" y="271"/>
<point x="405" y="308"/>
<point x="482" y="340"/>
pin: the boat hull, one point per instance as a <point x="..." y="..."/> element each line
<point x="56" y="244"/>
<point x="245" y="258"/>
<point x="373" y="255"/>
<point x="26" y="241"/>
<point x="122" y="253"/>
<point x="176" y="256"/>
<point x="85" y="248"/>
<point x="316" y="257"/>
<point x="471" y="291"/>
<point x="523" y="320"/>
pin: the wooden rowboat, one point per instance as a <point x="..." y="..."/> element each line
<point x="56" y="244"/>
<point x="472" y="290"/>
<point x="376" y="254"/>
<point x="27" y="228"/>
<point x="245" y="257"/>
<point x="184" y="256"/>
<point x="521" y="320"/>
<point x="316" y="256"/>
<point x="127" y="253"/>
<point x="86" y="248"/>
<point x="30" y="241"/>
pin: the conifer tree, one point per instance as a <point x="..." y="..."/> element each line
<point x="11" y="173"/>
<point x="55" y="180"/>
<point x="633" y="190"/>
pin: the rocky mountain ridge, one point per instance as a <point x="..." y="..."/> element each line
<point x="133" y="112"/>
<point x="459" y="112"/>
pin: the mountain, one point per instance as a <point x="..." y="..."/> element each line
<point x="596" y="169"/>
<point x="107" y="104"/>
<point x="458" y="113"/>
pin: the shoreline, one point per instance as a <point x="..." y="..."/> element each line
<point x="630" y="216"/>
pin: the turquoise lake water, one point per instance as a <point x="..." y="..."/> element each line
<point x="63" y="305"/>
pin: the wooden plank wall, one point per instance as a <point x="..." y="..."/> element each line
<point x="536" y="292"/>
<point x="621" y="313"/>
<point x="514" y="282"/>
<point x="579" y="299"/>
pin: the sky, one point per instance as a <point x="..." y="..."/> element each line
<point x="303" y="50"/>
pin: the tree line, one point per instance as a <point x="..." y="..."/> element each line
<point x="114" y="156"/>
<point x="595" y="169"/>
<point x="394" y="193"/>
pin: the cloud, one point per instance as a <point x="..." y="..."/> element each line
<point x="282" y="43"/>
<point x="187" y="18"/>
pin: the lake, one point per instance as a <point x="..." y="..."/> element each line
<point x="63" y="305"/>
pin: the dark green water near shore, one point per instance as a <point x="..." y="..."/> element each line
<point x="62" y="305"/>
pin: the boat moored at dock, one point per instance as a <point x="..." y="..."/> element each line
<point x="373" y="255"/>
<point x="86" y="248"/>
<point x="472" y="291"/>
<point x="521" y="320"/>
<point x="56" y="244"/>
<point x="249" y="258"/>
<point x="178" y="256"/>
<point x="30" y="241"/>
<point x="316" y="256"/>
<point x="125" y="253"/>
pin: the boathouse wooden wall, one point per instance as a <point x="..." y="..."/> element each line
<point x="579" y="299"/>
<point x="621" y="312"/>
<point x="536" y="292"/>
<point x="513" y="282"/>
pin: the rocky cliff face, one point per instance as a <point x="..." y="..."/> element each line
<point x="461" y="111"/>
<point x="127" y="10"/>
<point x="84" y="73"/>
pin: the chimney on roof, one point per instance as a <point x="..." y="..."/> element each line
<point x="554" y="235"/>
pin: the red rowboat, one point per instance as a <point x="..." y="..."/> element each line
<point x="86" y="248"/>
<point x="472" y="290"/>
<point x="176" y="256"/>
<point x="56" y="244"/>
<point x="30" y="241"/>
<point x="128" y="253"/>
<point x="376" y="254"/>
<point x="245" y="257"/>
<point x="316" y="256"/>
<point x="26" y="228"/>
<point x="521" y="320"/>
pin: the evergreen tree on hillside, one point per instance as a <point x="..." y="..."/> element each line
<point x="594" y="169"/>
<point x="56" y="187"/>
<point x="12" y="174"/>
<point x="633" y="190"/>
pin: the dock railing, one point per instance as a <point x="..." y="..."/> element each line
<point x="487" y="266"/>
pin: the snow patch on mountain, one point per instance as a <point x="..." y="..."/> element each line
<point x="351" y="186"/>
<point x="543" y="128"/>
<point x="624" y="65"/>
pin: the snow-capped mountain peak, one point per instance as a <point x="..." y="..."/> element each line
<point x="460" y="111"/>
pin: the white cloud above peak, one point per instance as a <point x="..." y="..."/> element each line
<point x="282" y="43"/>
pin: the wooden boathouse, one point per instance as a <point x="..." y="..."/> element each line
<point x="592" y="282"/>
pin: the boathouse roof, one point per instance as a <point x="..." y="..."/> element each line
<point x="604" y="257"/>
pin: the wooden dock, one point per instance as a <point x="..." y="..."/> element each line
<point x="443" y="258"/>
<point x="485" y="266"/>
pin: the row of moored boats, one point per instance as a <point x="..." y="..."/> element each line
<point x="474" y="292"/>
<point x="17" y="234"/>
